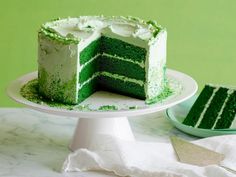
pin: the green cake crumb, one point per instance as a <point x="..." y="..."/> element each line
<point x="108" y="108"/>
<point x="133" y="107"/>
<point x="83" y="107"/>
<point x="165" y="94"/>
<point x="30" y="92"/>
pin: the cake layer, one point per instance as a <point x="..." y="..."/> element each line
<point x="117" y="47"/>
<point x="128" y="69"/>
<point x="90" y="51"/>
<point x="121" y="86"/>
<point x="88" y="89"/>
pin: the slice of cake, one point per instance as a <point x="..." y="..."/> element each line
<point x="215" y="108"/>
<point x="78" y="56"/>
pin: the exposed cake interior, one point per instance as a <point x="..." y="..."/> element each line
<point x="113" y="65"/>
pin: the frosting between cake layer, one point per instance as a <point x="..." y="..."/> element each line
<point x="115" y="76"/>
<point x="141" y="64"/>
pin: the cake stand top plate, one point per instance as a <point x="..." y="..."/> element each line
<point x="184" y="86"/>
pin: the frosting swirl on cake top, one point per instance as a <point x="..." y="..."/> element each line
<point x="74" y="30"/>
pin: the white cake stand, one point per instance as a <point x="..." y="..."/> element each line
<point x="115" y="122"/>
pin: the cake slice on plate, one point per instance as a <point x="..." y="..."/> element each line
<point x="215" y="108"/>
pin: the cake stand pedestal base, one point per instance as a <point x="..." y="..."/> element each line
<point x="88" y="128"/>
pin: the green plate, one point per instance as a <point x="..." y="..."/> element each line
<point x="177" y="114"/>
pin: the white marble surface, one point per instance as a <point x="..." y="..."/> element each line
<point x="34" y="144"/>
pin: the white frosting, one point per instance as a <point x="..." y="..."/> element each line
<point x="48" y="59"/>
<point x="88" y="28"/>
<point x="155" y="62"/>
<point x="58" y="61"/>
<point x="124" y="29"/>
<point x="83" y="27"/>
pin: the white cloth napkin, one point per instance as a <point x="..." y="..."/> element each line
<point x="144" y="159"/>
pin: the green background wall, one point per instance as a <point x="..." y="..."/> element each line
<point x="201" y="34"/>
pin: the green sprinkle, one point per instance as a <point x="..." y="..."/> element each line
<point x="50" y="33"/>
<point x="83" y="107"/>
<point x="155" y="33"/>
<point x="108" y="108"/>
<point x="154" y="24"/>
<point x="135" y="19"/>
<point x="30" y="91"/>
<point x="133" y="107"/>
<point x="55" y="19"/>
<point x="165" y="94"/>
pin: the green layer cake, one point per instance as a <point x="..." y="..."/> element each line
<point x="215" y="108"/>
<point x="79" y="56"/>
